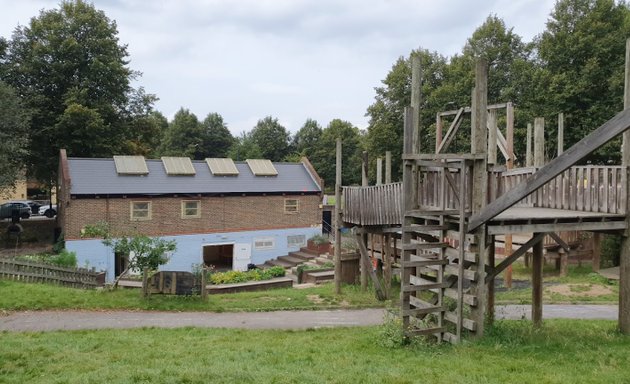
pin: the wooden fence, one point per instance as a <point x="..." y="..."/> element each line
<point x="374" y="205"/>
<point x="32" y="272"/>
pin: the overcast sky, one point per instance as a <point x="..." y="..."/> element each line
<point x="247" y="59"/>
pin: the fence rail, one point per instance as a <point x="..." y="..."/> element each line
<point x="32" y="272"/>
<point x="374" y="205"/>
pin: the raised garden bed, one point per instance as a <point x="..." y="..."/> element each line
<point x="250" y="286"/>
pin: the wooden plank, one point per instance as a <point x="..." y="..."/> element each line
<point x="551" y="227"/>
<point x="537" y="238"/>
<point x="609" y="130"/>
<point x="537" y="281"/>
<point x="466" y="323"/>
<point x="467" y="298"/>
<point x="380" y="294"/>
<point x="560" y="241"/>
<point x="339" y="218"/>
<point x="450" y="132"/>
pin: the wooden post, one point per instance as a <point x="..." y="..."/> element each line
<point x="529" y="159"/>
<point x="387" y="265"/>
<point x="564" y="262"/>
<point x="509" y="164"/>
<point x="145" y="283"/>
<point x="491" y="263"/>
<point x="379" y="171"/>
<point x="479" y="145"/>
<point x="492" y="136"/>
<point x="539" y="142"/>
<point x="364" y="237"/>
<point x="410" y="199"/>
<point x="388" y="167"/>
<point x="339" y="219"/>
<point x="597" y="251"/>
<point x="204" y="291"/>
<point x="416" y="87"/>
<point x="537" y="276"/>
<point x="438" y="131"/>
<point x="560" y="133"/>
<point x="624" y="259"/>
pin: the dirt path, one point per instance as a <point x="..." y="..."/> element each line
<point x="76" y="320"/>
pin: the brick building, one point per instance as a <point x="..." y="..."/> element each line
<point x="219" y="212"/>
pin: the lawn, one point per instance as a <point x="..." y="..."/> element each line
<point x="581" y="285"/>
<point x="512" y="352"/>
<point x="25" y="296"/>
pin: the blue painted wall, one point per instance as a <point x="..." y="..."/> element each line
<point x="92" y="253"/>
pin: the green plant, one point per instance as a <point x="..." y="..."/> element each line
<point x="611" y="250"/>
<point x="64" y="259"/>
<point x="349" y="245"/>
<point x="232" y="277"/>
<point x="59" y="245"/>
<point x="319" y="240"/>
<point x="99" y="229"/>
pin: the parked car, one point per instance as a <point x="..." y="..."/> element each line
<point x="6" y="210"/>
<point x="34" y="205"/>
<point x="48" y="210"/>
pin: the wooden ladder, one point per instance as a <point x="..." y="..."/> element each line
<point x="437" y="256"/>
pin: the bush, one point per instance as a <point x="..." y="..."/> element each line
<point x="232" y="277"/>
<point x="64" y="259"/>
<point x="611" y="250"/>
<point x="319" y="240"/>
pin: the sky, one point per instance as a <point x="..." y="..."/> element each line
<point x="290" y="59"/>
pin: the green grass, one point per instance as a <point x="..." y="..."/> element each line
<point x="24" y="296"/>
<point x="580" y="283"/>
<point x="512" y="352"/>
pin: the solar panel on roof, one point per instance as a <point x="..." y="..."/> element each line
<point x="222" y="167"/>
<point x="262" y="167"/>
<point x="131" y="165"/>
<point x="178" y="165"/>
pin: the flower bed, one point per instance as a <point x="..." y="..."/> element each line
<point x="232" y="277"/>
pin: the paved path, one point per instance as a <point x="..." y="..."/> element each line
<point x="75" y="320"/>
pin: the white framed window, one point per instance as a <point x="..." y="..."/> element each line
<point x="191" y="209"/>
<point x="291" y="206"/>
<point x="140" y="210"/>
<point x="264" y="243"/>
<point x="296" y="241"/>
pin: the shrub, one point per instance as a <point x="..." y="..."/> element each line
<point x="232" y="277"/>
<point x="319" y="240"/>
<point x="64" y="259"/>
<point x="611" y="250"/>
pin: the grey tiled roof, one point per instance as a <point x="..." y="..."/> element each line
<point x="99" y="177"/>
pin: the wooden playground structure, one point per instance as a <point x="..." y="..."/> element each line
<point x="438" y="226"/>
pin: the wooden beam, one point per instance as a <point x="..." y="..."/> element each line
<point x="365" y="260"/>
<point x="537" y="283"/>
<point x="539" y="142"/>
<point x="467" y="109"/>
<point x="409" y="201"/>
<point x="563" y="244"/>
<point x="602" y="135"/>
<point x="416" y="87"/>
<point x="560" y="133"/>
<point x="514" y="256"/>
<point x="364" y="183"/>
<point x="509" y="132"/>
<point x="438" y="131"/>
<point x="450" y="133"/>
<point x="379" y="170"/>
<point x="529" y="159"/>
<point x="624" y="259"/>
<point x="339" y="219"/>
<point x="490" y="282"/>
<point x="388" y="167"/>
<point x="492" y="136"/>
<point x="597" y="251"/>
<point x="603" y="226"/>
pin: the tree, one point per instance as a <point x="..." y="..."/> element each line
<point x="141" y="253"/>
<point x="14" y="122"/>
<point x="245" y="148"/>
<point x="582" y="53"/>
<point x="272" y="139"/>
<point x="184" y="136"/>
<point x="323" y="158"/>
<point x="217" y="139"/>
<point x="306" y="140"/>
<point x="145" y="134"/>
<point x="65" y="61"/>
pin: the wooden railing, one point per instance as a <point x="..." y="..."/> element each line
<point x="374" y="205"/>
<point x="31" y="272"/>
<point x="580" y="188"/>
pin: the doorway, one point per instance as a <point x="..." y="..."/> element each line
<point x="219" y="256"/>
<point x="120" y="263"/>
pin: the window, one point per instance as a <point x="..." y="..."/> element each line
<point x="296" y="241"/>
<point x="264" y="243"/>
<point x="191" y="209"/>
<point x="140" y="210"/>
<point x="291" y="206"/>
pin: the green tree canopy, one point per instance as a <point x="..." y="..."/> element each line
<point x="244" y="148"/>
<point x="65" y="61"/>
<point x="272" y="138"/>
<point x="217" y="139"/>
<point x="323" y="158"/>
<point x="306" y="140"/>
<point x="184" y="136"/>
<point x="14" y="121"/>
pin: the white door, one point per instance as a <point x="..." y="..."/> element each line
<point x="242" y="256"/>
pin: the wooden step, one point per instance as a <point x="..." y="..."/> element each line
<point x="453" y="269"/>
<point x="423" y="246"/>
<point x="318" y="277"/>
<point x="419" y="261"/>
<point x="279" y="263"/>
<point x="424" y="331"/>
<point x="471" y="325"/>
<point x="309" y="251"/>
<point x="467" y="299"/>
<point x="321" y="260"/>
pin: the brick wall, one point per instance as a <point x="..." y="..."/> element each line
<point x="218" y="214"/>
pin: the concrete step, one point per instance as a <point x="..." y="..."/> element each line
<point x="322" y="260"/>
<point x="318" y="277"/>
<point x="279" y="263"/>
<point x="291" y="259"/>
<point x="309" y="251"/>
<point x="302" y="255"/>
